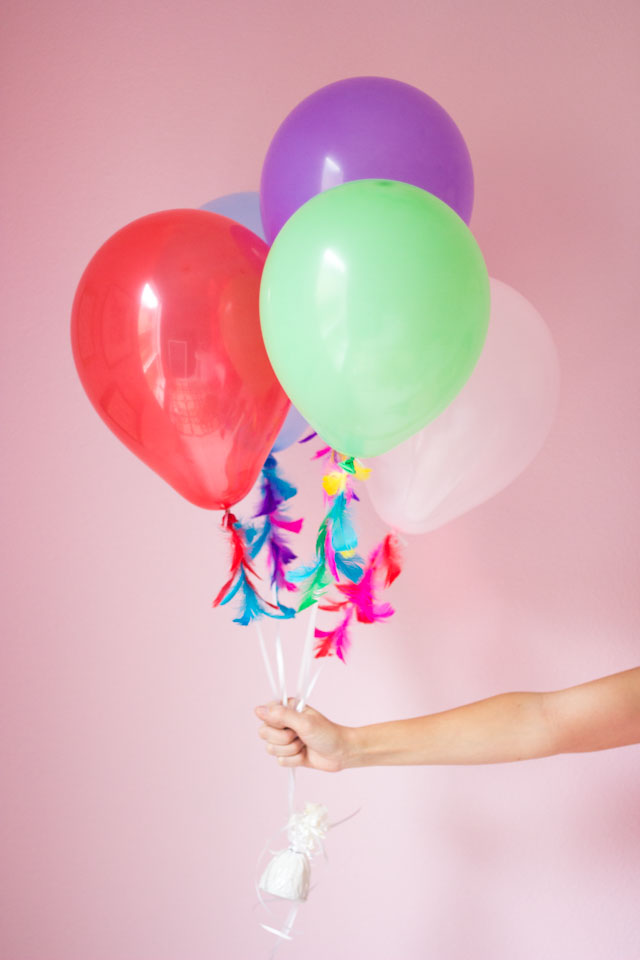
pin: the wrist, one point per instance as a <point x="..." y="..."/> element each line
<point x="352" y="752"/>
<point x="377" y="744"/>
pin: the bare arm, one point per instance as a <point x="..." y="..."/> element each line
<point x="512" y="726"/>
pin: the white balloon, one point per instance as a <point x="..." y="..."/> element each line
<point x="486" y="436"/>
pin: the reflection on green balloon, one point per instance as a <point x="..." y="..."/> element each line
<point x="374" y="306"/>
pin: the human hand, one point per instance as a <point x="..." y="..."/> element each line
<point x="306" y="739"/>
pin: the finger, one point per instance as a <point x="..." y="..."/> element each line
<point x="285" y="750"/>
<point x="296" y="761"/>
<point x="274" y="735"/>
<point x="275" y="715"/>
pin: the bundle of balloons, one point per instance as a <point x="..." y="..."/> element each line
<point x="348" y="295"/>
<point x="367" y="307"/>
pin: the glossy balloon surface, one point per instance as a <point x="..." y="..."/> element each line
<point x="364" y="128"/>
<point x="166" y="339"/>
<point x="245" y="209"/>
<point x="374" y="307"/>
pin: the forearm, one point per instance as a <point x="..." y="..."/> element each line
<point x="508" y="727"/>
<point x="597" y="715"/>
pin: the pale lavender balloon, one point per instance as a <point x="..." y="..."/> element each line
<point x="290" y="431"/>
<point x="364" y="128"/>
<point x="244" y="208"/>
<point x="486" y="437"/>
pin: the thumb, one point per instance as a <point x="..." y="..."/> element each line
<point x="277" y="715"/>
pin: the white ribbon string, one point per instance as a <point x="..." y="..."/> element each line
<point x="291" y="790"/>
<point x="282" y="696"/>
<point x="267" y="662"/>
<point x="305" y="662"/>
<point x="305" y="698"/>
<point x="306" y="684"/>
<point x="282" y="683"/>
<point x="303" y="695"/>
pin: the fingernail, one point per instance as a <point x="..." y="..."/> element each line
<point x="261" y="711"/>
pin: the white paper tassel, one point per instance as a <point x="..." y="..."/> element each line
<point x="289" y="872"/>
<point x="288" y="876"/>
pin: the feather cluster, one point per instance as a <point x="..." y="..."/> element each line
<point x="337" y="542"/>
<point x="240" y="583"/>
<point x="359" y="600"/>
<point x="329" y="565"/>
<point x="275" y="491"/>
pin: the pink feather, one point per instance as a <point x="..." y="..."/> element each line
<point x="293" y="526"/>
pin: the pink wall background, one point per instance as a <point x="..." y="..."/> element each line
<point x="135" y="795"/>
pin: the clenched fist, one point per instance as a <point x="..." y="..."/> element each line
<point x="306" y="739"/>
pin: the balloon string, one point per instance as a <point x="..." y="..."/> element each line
<point x="291" y="791"/>
<point x="306" y="685"/>
<point x="305" y="698"/>
<point x="282" y="683"/>
<point x="282" y="696"/>
<point x="303" y="694"/>
<point x="265" y="659"/>
<point x="305" y="661"/>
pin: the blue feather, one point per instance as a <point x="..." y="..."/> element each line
<point x="303" y="572"/>
<point x="258" y="543"/>
<point x="234" y="589"/>
<point x="351" y="568"/>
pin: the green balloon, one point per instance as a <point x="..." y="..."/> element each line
<point x="374" y="306"/>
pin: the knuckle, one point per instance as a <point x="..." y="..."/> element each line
<point x="304" y="726"/>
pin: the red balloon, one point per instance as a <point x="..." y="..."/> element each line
<point x="166" y="338"/>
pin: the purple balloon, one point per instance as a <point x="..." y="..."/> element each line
<point x="364" y="128"/>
